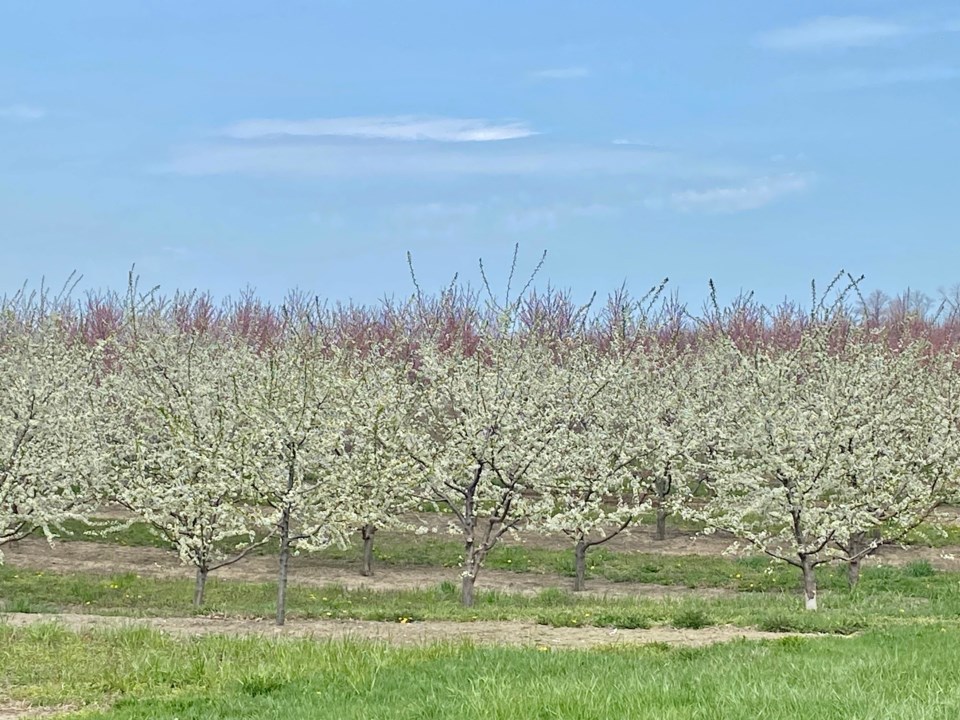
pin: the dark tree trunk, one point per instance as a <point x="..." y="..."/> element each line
<point x="200" y="588"/>
<point x="368" y="532"/>
<point x="580" y="565"/>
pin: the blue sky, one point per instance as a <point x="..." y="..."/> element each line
<point x="312" y="144"/>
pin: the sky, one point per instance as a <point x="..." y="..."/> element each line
<point x="273" y="145"/>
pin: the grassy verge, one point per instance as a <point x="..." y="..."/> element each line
<point x="898" y="674"/>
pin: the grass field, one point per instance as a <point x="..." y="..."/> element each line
<point x="899" y="673"/>
<point x="889" y="651"/>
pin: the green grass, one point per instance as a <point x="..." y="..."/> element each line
<point x="396" y="549"/>
<point x="904" y="673"/>
<point x="901" y="663"/>
<point x="768" y="596"/>
<point x="887" y="596"/>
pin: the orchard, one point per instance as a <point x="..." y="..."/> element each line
<point x="811" y="436"/>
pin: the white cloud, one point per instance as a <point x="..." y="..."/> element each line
<point x="399" y="127"/>
<point x="408" y="160"/>
<point x="22" y="112"/>
<point x="749" y="196"/>
<point x="834" y="32"/>
<point x="562" y="73"/>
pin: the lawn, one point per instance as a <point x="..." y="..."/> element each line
<point x="907" y="673"/>
<point x="888" y="651"/>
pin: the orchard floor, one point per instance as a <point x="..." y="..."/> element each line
<point x="99" y="559"/>
<point x="77" y="556"/>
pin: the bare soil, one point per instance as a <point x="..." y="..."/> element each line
<point x="13" y="710"/>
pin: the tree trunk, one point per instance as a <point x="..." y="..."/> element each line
<point x="467" y="589"/>
<point x="662" y="486"/>
<point x="809" y="583"/>
<point x="471" y="566"/>
<point x="473" y="557"/>
<point x="853" y="573"/>
<point x="580" y="565"/>
<point x="367" y="532"/>
<point x="661" y="523"/>
<point x="284" y="563"/>
<point x="854" y="548"/>
<point x="200" y="587"/>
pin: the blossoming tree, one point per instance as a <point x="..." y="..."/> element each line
<point x="184" y="451"/>
<point x="298" y="399"/>
<point x="372" y="461"/>
<point x="821" y="443"/>
<point x="48" y="451"/>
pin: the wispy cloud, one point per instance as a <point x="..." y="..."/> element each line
<point x="551" y="216"/>
<point x="561" y="73"/>
<point x="853" y="78"/>
<point x="22" y="112"/>
<point x="835" y="32"/>
<point x="749" y="196"/>
<point x="398" y="127"/>
<point x="401" y="160"/>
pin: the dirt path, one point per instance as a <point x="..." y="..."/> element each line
<point x="12" y="710"/>
<point x="514" y="633"/>
<point x="101" y="559"/>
